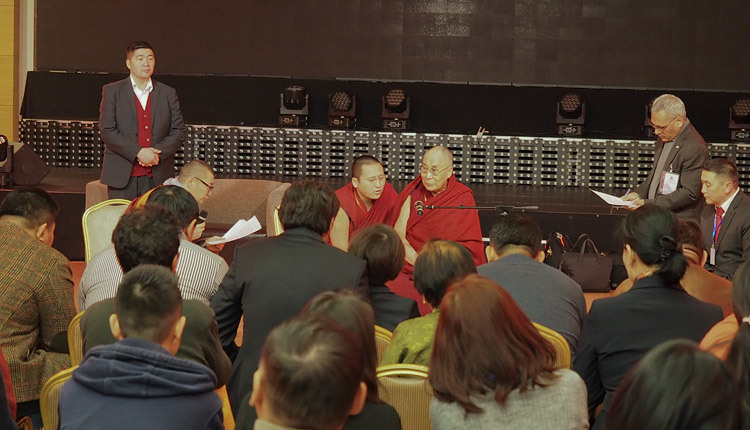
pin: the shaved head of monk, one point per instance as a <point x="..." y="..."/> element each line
<point x="436" y="169"/>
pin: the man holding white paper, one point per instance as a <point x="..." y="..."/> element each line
<point x="199" y="271"/>
<point x="679" y="154"/>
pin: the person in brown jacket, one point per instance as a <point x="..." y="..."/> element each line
<point x="36" y="298"/>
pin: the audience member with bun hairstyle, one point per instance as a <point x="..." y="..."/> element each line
<point x="677" y="386"/>
<point x="491" y="368"/>
<point x="619" y="330"/>
<point x="383" y="250"/>
<point x="439" y="264"/>
<point x="738" y="357"/>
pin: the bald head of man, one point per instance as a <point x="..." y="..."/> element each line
<point x="198" y="179"/>
<point x="436" y="169"/>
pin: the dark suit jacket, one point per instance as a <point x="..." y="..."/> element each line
<point x="270" y="281"/>
<point x="619" y="330"/>
<point x="686" y="158"/>
<point x="119" y="126"/>
<point x="733" y="241"/>
<point x="390" y="308"/>
<point x="200" y="338"/>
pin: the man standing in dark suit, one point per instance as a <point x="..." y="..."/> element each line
<point x="141" y="126"/>
<point x="679" y="153"/>
<point x="271" y="279"/>
<point x="725" y="220"/>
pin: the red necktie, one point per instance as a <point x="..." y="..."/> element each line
<point x="717" y="223"/>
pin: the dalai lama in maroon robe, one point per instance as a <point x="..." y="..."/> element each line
<point x="367" y="200"/>
<point x="436" y="186"/>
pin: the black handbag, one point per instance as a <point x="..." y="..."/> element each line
<point x="587" y="266"/>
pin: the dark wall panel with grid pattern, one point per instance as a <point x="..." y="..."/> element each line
<point x="310" y="153"/>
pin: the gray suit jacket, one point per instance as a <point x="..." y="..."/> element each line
<point x="119" y="127"/>
<point x="686" y="158"/>
<point x="733" y="241"/>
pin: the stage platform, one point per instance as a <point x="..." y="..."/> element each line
<point x="571" y="210"/>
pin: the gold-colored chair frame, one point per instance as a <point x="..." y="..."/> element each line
<point x="84" y="221"/>
<point x="75" y="339"/>
<point x="48" y="401"/>
<point x="383" y="338"/>
<point x="562" y="349"/>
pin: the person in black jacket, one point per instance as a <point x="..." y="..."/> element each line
<point x="271" y="279"/>
<point x="383" y="250"/>
<point x="619" y="330"/>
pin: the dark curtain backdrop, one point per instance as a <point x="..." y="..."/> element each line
<point x="689" y="44"/>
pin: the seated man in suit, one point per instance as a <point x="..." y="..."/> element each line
<point x="310" y="376"/>
<point x="546" y="295"/>
<point x="725" y="218"/>
<point x="697" y="281"/>
<point x="271" y="279"/>
<point x="417" y="223"/>
<point x="36" y="297"/>
<point x="151" y="236"/>
<point x="367" y="200"/>
<point x="155" y="389"/>
<point x="199" y="270"/>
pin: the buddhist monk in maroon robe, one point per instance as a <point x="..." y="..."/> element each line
<point x="367" y="200"/>
<point x="436" y="186"/>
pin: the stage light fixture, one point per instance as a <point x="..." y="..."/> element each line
<point x="648" y="129"/>
<point x="571" y="114"/>
<point x="294" y="107"/>
<point x="342" y="109"/>
<point x="396" y="110"/>
<point x="739" y="121"/>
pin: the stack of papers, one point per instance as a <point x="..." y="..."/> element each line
<point x="239" y="230"/>
<point x="613" y="200"/>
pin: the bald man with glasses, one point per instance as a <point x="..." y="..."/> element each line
<point x="679" y="154"/>
<point x="422" y="216"/>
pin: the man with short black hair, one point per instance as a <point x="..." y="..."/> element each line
<point x="546" y="295"/>
<point x="36" y="299"/>
<point x="137" y="382"/>
<point x="151" y="236"/>
<point x="725" y="219"/>
<point x="310" y="376"/>
<point x="199" y="270"/>
<point x="141" y="126"/>
<point x="271" y="279"/>
<point x="367" y="200"/>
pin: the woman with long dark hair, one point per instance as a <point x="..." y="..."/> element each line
<point x="619" y="330"/>
<point x="491" y="368"/>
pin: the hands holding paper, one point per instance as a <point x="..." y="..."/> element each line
<point x="239" y="230"/>
<point x="634" y="198"/>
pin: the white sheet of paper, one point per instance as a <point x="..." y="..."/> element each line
<point x="613" y="200"/>
<point x="239" y="230"/>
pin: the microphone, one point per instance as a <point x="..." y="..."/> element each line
<point x="419" y="205"/>
<point x="202" y="217"/>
